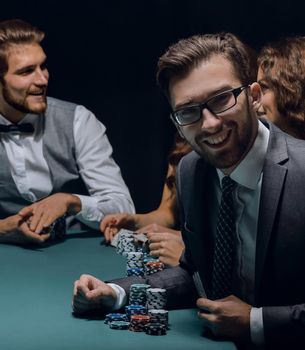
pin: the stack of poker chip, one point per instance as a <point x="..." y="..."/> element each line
<point x="135" y="310"/>
<point x="138" y="323"/>
<point x="57" y="229"/>
<point x="147" y="258"/>
<point x="134" y="263"/>
<point x="138" y="294"/>
<point x="153" y="267"/>
<point x="159" y="316"/>
<point x="156" y="298"/>
<point x="155" y="329"/>
<point x="135" y="271"/>
<point x="125" y="242"/>
<point x="115" y="317"/>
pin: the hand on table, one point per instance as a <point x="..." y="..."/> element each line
<point x="229" y="317"/>
<point x="91" y="294"/>
<point x="47" y="210"/>
<point x="111" y="224"/>
<point x="164" y="243"/>
<point x="15" y="229"/>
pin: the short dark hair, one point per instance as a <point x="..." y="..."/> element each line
<point x="15" y="32"/>
<point x="283" y="65"/>
<point x="187" y="54"/>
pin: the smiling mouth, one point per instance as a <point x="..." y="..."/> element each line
<point x="37" y="93"/>
<point x="218" y="141"/>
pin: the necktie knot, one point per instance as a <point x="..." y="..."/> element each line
<point x="227" y="185"/>
<point x="25" y="128"/>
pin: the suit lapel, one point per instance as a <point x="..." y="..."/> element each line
<point x="198" y="224"/>
<point x="274" y="174"/>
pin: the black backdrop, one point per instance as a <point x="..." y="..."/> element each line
<point x="103" y="54"/>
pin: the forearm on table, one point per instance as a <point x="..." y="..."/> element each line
<point x="163" y="218"/>
<point x="181" y="291"/>
<point x="94" y="208"/>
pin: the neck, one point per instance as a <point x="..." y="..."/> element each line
<point x="11" y="114"/>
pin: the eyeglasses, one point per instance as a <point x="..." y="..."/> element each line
<point x="216" y="104"/>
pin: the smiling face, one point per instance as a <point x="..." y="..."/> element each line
<point x="23" y="87"/>
<point x="223" y="139"/>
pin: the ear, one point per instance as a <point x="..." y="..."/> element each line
<point x="256" y="94"/>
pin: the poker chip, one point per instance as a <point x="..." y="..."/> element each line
<point x="153" y="267"/>
<point x="119" y="325"/>
<point x="115" y="317"/>
<point x="155" y="329"/>
<point x="135" y="271"/>
<point x="138" y="294"/>
<point x="138" y="323"/>
<point x="135" y="310"/>
<point x="159" y="316"/>
<point x="156" y="298"/>
<point x="134" y="260"/>
<point x="125" y="242"/>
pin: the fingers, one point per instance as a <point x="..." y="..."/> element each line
<point x="109" y="233"/>
<point x="156" y="236"/>
<point x="108" y="221"/>
<point x="91" y="294"/>
<point x="118" y="221"/>
<point x="30" y="236"/>
<point x="25" y="212"/>
<point x="207" y="304"/>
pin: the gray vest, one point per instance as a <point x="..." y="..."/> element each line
<point x="59" y="152"/>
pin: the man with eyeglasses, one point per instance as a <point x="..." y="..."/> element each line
<point x="56" y="163"/>
<point x="241" y="201"/>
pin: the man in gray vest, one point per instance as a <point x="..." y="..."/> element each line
<point x="55" y="156"/>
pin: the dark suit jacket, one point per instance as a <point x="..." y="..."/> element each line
<point x="280" y="246"/>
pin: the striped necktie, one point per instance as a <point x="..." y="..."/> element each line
<point x="224" y="242"/>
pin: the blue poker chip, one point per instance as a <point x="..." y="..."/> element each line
<point x="119" y="325"/>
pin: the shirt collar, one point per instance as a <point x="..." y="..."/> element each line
<point x="248" y="171"/>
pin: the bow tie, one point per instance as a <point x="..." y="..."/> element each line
<point x="26" y="127"/>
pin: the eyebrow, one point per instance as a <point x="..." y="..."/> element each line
<point x="215" y="92"/>
<point x="32" y="66"/>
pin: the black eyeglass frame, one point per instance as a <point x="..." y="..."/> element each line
<point x="236" y="92"/>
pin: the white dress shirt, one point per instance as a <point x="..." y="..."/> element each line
<point x="249" y="176"/>
<point x="101" y="175"/>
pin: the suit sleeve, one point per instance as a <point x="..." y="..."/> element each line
<point x="177" y="281"/>
<point x="284" y="325"/>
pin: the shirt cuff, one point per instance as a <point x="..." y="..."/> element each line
<point x="257" y="326"/>
<point x="121" y="296"/>
<point x="89" y="209"/>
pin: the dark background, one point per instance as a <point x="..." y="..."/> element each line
<point x="103" y="54"/>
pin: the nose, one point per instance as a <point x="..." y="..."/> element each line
<point x="41" y="77"/>
<point x="210" y="121"/>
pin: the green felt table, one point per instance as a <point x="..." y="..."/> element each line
<point x="35" y="301"/>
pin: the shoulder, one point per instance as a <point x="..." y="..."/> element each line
<point x="281" y="143"/>
<point x="54" y="103"/>
<point x="190" y="168"/>
<point x="190" y="159"/>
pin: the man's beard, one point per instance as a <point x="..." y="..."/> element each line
<point x="21" y="105"/>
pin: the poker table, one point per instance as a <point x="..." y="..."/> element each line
<point x="35" y="301"/>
